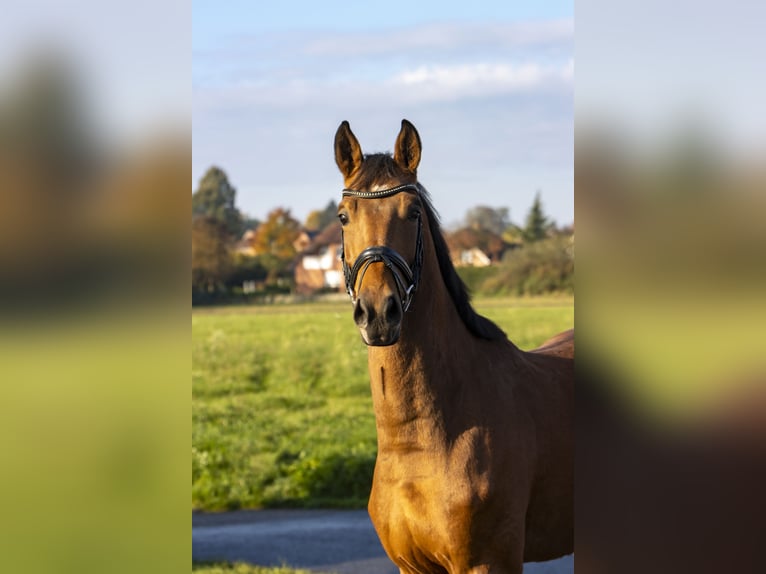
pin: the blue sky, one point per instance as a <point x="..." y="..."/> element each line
<point x="488" y="85"/>
<point x="215" y="21"/>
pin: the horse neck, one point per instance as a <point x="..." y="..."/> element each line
<point x="413" y="381"/>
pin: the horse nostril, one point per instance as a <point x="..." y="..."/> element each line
<point x="392" y="310"/>
<point x="360" y="313"/>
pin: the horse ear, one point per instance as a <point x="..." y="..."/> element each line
<point x="348" y="152"/>
<point x="407" y="148"/>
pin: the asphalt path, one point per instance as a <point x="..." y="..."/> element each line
<point x="340" y="541"/>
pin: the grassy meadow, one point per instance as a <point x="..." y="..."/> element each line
<point x="242" y="568"/>
<point x="281" y="408"/>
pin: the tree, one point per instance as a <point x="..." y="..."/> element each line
<point x="214" y="199"/>
<point x="276" y="235"/>
<point x="483" y="229"/>
<point x="273" y="242"/>
<point x="318" y="219"/>
<point x="211" y="255"/>
<point x="537" y="225"/>
<point x="513" y="235"/>
<point x="249" y="223"/>
<point x="490" y="219"/>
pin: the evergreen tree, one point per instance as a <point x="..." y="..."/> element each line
<point x="214" y="198"/>
<point x="537" y="225"/>
<point x="211" y="256"/>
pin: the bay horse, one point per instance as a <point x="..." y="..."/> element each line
<point x="474" y="473"/>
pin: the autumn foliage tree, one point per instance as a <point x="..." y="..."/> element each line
<point x="273" y="240"/>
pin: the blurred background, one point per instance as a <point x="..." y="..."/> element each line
<point x="670" y="181"/>
<point x="95" y="150"/>
<point x="669" y="187"/>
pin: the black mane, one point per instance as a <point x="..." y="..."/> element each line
<point x="478" y="325"/>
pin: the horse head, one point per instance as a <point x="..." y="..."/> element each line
<point x="381" y="214"/>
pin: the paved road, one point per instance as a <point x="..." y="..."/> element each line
<point x="341" y="541"/>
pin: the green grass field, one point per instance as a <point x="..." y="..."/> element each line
<point x="281" y="408"/>
<point x="241" y="568"/>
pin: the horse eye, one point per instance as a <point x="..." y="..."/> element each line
<point x="343" y="218"/>
<point x="413" y="215"/>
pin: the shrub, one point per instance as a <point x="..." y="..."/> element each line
<point x="475" y="277"/>
<point x="535" y="269"/>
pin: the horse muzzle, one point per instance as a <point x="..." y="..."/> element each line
<point x="379" y="322"/>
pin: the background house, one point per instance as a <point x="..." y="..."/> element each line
<point x="304" y="240"/>
<point x="245" y="244"/>
<point x="473" y="257"/>
<point x="319" y="266"/>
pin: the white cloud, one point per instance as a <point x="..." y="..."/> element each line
<point x="457" y="77"/>
<point x="433" y="62"/>
<point x="442" y="82"/>
<point x="416" y="85"/>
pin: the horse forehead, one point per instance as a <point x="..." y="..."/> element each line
<point x="380" y="220"/>
<point x="383" y="208"/>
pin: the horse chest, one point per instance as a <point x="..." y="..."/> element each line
<point x="425" y="516"/>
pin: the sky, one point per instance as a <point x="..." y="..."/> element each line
<point x="488" y="85"/>
<point x="652" y="68"/>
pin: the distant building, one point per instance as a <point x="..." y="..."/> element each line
<point x="473" y="257"/>
<point x="304" y="240"/>
<point x="245" y="245"/>
<point x="319" y="266"/>
<point x="475" y="247"/>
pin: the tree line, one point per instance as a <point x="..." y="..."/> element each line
<point x="230" y="249"/>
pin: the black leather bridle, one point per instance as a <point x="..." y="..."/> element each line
<point x="406" y="277"/>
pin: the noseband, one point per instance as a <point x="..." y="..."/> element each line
<point x="406" y="277"/>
